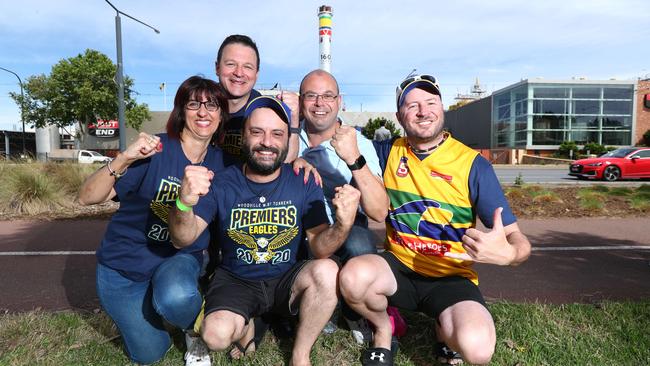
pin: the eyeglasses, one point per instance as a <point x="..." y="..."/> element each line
<point x="325" y="97"/>
<point x="195" y="105"/>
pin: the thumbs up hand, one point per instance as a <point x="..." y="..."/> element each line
<point x="491" y="247"/>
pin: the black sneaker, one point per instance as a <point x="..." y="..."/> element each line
<point x="377" y="357"/>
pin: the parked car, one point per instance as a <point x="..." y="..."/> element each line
<point x="623" y="163"/>
<point x="78" y="156"/>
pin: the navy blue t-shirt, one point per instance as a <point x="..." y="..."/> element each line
<point x="137" y="238"/>
<point x="261" y="238"/>
<point x="484" y="188"/>
<point x="231" y="144"/>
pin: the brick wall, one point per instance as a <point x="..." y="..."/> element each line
<point x="642" y="113"/>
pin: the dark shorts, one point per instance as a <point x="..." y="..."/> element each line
<point x="252" y="298"/>
<point x="429" y="295"/>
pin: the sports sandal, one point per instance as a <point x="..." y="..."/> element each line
<point x="242" y="350"/>
<point x="260" y="331"/>
<point x="377" y="357"/>
<point x="447" y="356"/>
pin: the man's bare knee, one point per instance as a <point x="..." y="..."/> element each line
<point x="219" y="328"/>
<point x="323" y="275"/>
<point x="355" y="279"/>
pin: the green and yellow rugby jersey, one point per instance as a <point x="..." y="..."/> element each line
<point x="430" y="207"/>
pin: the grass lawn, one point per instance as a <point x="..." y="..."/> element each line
<point x="528" y="334"/>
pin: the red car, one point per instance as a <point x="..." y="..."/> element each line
<point x="624" y="163"/>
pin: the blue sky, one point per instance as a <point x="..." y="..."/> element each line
<point x="375" y="43"/>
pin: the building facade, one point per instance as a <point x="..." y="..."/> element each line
<point x="538" y="115"/>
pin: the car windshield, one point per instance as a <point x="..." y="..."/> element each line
<point x="95" y="153"/>
<point x="618" y="153"/>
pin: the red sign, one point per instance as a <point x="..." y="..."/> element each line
<point x="104" y="128"/>
<point x="646" y="101"/>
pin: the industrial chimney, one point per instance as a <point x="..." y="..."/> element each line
<point x="325" y="36"/>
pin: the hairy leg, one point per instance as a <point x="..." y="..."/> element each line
<point x="366" y="282"/>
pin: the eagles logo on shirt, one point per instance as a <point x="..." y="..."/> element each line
<point x="263" y="231"/>
<point x="262" y="249"/>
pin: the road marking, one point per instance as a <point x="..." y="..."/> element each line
<point x="63" y="252"/>
<point x="604" y="247"/>
<point x="535" y="249"/>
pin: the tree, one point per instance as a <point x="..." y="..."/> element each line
<point x="459" y="104"/>
<point x="79" y="90"/>
<point x="369" y="129"/>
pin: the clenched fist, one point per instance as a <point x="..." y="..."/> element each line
<point x="344" y="143"/>
<point x="346" y="202"/>
<point x="291" y="100"/>
<point x="145" y="146"/>
<point x="196" y="183"/>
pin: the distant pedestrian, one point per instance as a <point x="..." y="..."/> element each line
<point x="382" y="133"/>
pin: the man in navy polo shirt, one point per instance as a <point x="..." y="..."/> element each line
<point x="263" y="212"/>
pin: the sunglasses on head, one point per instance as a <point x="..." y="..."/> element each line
<point x="411" y="79"/>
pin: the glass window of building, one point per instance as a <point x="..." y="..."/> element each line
<point x="617" y="107"/>
<point x="618" y="93"/>
<point x="550" y="92"/>
<point x="585" y="122"/>
<point x="617" y="122"/>
<point x="549" y="137"/>
<point x="549" y="122"/>
<point x="586" y="107"/>
<point x="586" y="93"/>
<point x="616" y="138"/>
<point x="550" y="106"/>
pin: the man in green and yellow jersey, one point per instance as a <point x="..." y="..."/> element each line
<point x="437" y="188"/>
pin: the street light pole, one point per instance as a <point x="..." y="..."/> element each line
<point x="120" y="72"/>
<point x="22" y="104"/>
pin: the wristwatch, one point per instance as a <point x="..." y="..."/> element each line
<point x="358" y="164"/>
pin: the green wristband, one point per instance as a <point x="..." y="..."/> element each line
<point x="181" y="206"/>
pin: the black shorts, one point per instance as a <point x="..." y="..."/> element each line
<point x="429" y="295"/>
<point x="252" y="298"/>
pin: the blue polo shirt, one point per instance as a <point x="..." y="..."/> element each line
<point x="332" y="169"/>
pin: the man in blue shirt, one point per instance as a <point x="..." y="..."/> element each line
<point x="263" y="212"/>
<point x="342" y="155"/>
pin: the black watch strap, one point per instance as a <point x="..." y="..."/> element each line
<point x="358" y="164"/>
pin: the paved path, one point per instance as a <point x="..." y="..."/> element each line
<point x="50" y="264"/>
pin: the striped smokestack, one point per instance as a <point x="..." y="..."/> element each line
<point x="325" y="36"/>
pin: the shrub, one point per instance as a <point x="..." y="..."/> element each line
<point x="369" y="129"/>
<point x="565" y="149"/>
<point x="25" y="189"/>
<point x="69" y="176"/>
<point x="594" y="148"/>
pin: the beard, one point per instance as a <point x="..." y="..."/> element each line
<point x="260" y="166"/>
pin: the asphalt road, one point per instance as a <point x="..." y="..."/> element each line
<point x="51" y="264"/>
<point x="549" y="174"/>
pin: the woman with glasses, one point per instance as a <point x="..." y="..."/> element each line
<point x="142" y="279"/>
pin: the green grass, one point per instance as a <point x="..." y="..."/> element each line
<point x="608" y="333"/>
<point x="599" y="188"/>
<point x="643" y="188"/>
<point x="620" y="191"/>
